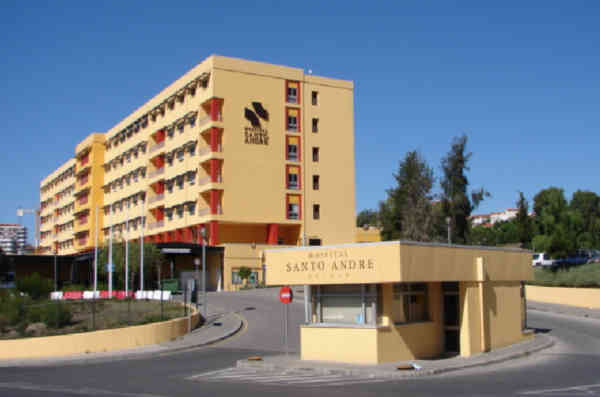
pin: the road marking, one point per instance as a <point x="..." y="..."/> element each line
<point x="83" y="391"/>
<point x="583" y="390"/>
<point x="288" y="377"/>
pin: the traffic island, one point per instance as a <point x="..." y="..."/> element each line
<point x="401" y="369"/>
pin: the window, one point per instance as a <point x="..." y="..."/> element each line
<point x="293" y="177"/>
<point x="292" y="92"/>
<point x="293" y="207"/>
<point x="169" y="212"/>
<point x="292" y="148"/>
<point x="191" y="178"/>
<point x="410" y="303"/>
<point x="235" y="277"/>
<point x="191" y="208"/>
<point x="316" y="182"/>
<point x="180" y="182"/>
<point x="316" y="211"/>
<point x="315" y="154"/>
<point x="315" y="125"/>
<point x="292" y="120"/>
<point x="315" y="98"/>
<point x="180" y="211"/>
<point x="180" y="154"/>
<point x="346" y="304"/>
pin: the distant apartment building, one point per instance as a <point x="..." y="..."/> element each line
<point x="246" y="153"/>
<point x="12" y="238"/>
<point x="490" y="219"/>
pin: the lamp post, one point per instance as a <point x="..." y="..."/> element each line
<point x="196" y="278"/>
<point x="203" y="234"/>
<point x="448" y="222"/>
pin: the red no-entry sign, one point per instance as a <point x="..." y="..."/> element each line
<point x="285" y="295"/>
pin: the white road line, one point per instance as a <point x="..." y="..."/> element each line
<point x="209" y="373"/>
<point x="322" y="379"/>
<point x="358" y="381"/>
<point x="84" y="391"/>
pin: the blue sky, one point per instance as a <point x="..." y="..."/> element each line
<point x="521" y="81"/>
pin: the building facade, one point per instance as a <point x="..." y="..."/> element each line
<point x="392" y="301"/>
<point x="57" y="205"/>
<point x="245" y="153"/>
<point x="13" y="238"/>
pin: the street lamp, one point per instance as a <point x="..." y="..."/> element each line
<point x="448" y="222"/>
<point x="196" y="277"/>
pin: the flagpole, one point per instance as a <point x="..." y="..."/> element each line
<point x="142" y="246"/>
<point x="110" y="255"/>
<point x="96" y="256"/>
<point x="127" y="253"/>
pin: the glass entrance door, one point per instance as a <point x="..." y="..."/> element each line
<point x="451" y="317"/>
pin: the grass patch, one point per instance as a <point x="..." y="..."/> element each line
<point x="584" y="276"/>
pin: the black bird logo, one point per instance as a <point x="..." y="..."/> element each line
<point x="260" y="111"/>
<point x="252" y="117"/>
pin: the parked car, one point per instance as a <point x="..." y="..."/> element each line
<point x="594" y="259"/>
<point x="542" y="259"/>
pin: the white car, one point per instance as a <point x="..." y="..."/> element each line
<point x="542" y="259"/>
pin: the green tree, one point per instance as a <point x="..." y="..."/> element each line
<point x="244" y="273"/>
<point x="366" y="217"/>
<point x="407" y="211"/>
<point x="549" y="206"/>
<point x="524" y="226"/>
<point x="587" y="205"/>
<point x="456" y="203"/>
<point x="152" y="259"/>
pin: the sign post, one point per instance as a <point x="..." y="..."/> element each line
<point x="285" y="296"/>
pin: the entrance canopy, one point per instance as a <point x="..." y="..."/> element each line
<point x="395" y="261"/>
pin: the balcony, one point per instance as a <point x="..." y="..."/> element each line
<point x="156" y="225"/>
<point x="156" y="172"/>
<point x="156" y="147"/>
<point x="203" y="121"/>
<point x="206" y="153"/>
<point x="156" y="198"/>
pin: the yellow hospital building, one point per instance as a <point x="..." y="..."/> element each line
<point x="253" y="153"/>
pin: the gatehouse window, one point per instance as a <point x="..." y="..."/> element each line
<point x="346" y="304"/>
<point x="410" y="303"/>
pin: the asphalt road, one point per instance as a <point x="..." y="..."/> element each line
<point x="570" y="368"/>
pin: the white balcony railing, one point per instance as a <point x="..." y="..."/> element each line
<point x="155" y="225"/>
<point x="156" y="172"/>
<point x="156" y="198"/>
<point x="156" y="147"/>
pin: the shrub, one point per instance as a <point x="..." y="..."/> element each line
<point x="244" y="272"/>
<point x="35" y="286"/>
<point x="74" y="287"/>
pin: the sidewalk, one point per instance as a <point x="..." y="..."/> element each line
<point x="293" y="364"/>
<point x="219" y="325"/>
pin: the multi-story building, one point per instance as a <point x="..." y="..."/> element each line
<point x="248" y="153"/>
<point x="57" y="204"/>
<point x="12" y="238"/>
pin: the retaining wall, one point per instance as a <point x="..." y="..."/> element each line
<point x="580" y="297"/>
<point x="98" y="341"/>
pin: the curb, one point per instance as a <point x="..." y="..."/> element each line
<point x="546" y="342"/>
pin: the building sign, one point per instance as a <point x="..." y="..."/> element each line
<point x="331" y="264"/>
<point x="256" y="134"/>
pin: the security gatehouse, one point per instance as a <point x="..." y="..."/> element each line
<point x="390" y="301"/>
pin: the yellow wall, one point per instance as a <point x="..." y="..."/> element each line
<point x="503" y="311"/>
<point x="371" y="234"/>
<point x="414" y="340"/>
<point x="580" y="297"/>
<point x="350" y="345"/>
<point x="98" y="341"/>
